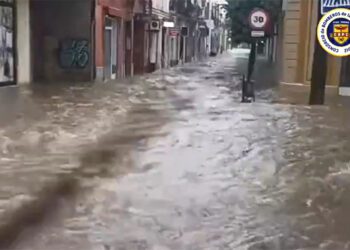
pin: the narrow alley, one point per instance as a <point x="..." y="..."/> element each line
<point x="173" y="161"/>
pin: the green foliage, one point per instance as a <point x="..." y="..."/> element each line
<point x="238" y="12"/>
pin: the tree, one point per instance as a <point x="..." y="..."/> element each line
<point x="238" y="12"/>
<point x="319" y="73"/>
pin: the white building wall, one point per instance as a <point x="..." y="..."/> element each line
<point x="162" y="5"/>
<point x="23" y="42"/>
<point x="161" y="9"/>
<point x="291" y="39"/>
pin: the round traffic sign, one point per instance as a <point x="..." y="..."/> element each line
<point x="258" y="19"/>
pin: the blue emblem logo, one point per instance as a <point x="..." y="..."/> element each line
<point x="333" y="32"/>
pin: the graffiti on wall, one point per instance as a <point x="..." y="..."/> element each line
<point x="74" y="54"/>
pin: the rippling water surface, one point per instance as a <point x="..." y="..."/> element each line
<point x="173" y="160"/>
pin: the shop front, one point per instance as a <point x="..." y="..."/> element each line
<point x="114" y="39"/>
<point x="61" y="41"/>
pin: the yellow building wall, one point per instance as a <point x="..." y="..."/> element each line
<point x="300" y="24"/>
<point x="291" y="39"/>
<point x="333" y="70"/>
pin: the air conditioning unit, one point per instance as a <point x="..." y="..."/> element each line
<point x="155" y="25"/>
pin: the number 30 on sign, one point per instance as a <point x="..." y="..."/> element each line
<point x="258" y="19"/>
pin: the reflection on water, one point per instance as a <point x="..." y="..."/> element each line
<point x="189" y="167"/>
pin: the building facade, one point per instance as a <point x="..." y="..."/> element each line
<point x="172" y="32"/>
<point x="159" y="49"/>
<point x="45" y="41"/>
<point x="297" y="41"/>
<point x="114" y="38"/>
<point x="152" y="21"/>
<point x="76" y="41"/>
<point x="215" y="18"/>
<point x="62" y="40"/>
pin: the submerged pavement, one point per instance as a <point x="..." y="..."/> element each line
<point x="185" y="165"/>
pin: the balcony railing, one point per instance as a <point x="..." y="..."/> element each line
<point x="189" y="8"/>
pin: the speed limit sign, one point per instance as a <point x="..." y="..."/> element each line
<point x="258" y="19"/>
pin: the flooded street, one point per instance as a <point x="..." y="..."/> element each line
<point x="174" y="161"/>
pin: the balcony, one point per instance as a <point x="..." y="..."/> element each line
<point x="188" y="8"/>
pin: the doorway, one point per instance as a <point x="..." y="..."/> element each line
<point x="344" y="88"/>
<point x="111" y="38"/>
<point x="182" y="48"/>
<point x="60" y="51"/>
<point x="128" y="48"/>
<point x="139" y="47"/>
<point x="164" y="63"/>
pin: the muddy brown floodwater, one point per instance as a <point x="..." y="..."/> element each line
<point x="191" y="168"/>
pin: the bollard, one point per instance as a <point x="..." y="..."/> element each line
<point x="248" y="94"/>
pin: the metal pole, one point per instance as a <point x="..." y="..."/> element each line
<point x="251" y="60"/>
